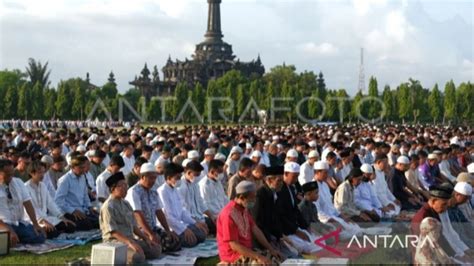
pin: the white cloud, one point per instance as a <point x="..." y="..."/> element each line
<point x="397" y="27"/>
<point x="362" y="7"/>
<point x="323" y="49"/>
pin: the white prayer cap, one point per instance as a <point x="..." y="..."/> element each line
<point x="366" y="168"/>
<point x="267" y="142"/>
<point x="248" y="146"/>
<point x="256" y="154"/>
<point x="470" y="168"/>
<point x="160" y="161"/>
<point x="209" y="151"/>
<point x="432" y="156"/>
<point x="313" y="154"/>
<point x="463" y="188"/>
<point x="312" y="144"/>
<point x="81" y="148"/>
<point x="463" y="177"/>
<point x="245" y="186"/>
<point x="147" y="168"/>
<point x="276" y="137"/>
<point x="193" y="154"/>
<point x="161" y="139"/>
<point x="292" y="167"/>
<point x="185" y="162"/>
<point x="149" y="136"/>
<point x="292" y="153"/>
<point x="220" y="157"/>
<point x="47" y="159"/>
<point x="403" y="160"/>
<point x="236" y="149"/>
<point x="320" y="165"/>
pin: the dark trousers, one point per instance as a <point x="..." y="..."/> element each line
<point x="61" y="228"/>
<point x="27" y="234"/>
<point x="211" y="226"/>
<point x="90" y="222"/>
<point x="200" y="236"/>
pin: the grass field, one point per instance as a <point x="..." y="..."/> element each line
<point x="394" y="256"/>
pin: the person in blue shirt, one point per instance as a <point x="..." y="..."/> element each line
<point x="73" y="199"/>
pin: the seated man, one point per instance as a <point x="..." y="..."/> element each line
<point x="47" y="212"/>
<point x="190" y="231"/>
<point x="236" y="229"/>
<point x="462" y="226"/>
<point x="115" y="164"/>
<point x="292" y="223"/>
<point x="402" y="190"/>
<point x="310" y="213"/>
<point x="379" y="184"/>
<point x="72" y="197"/>
<point x="436" y="207"/>
<point x="134" y="176"/>
<point x="118" y="224"/>
<point x="245" y="173"/>
<point x="344" y="199"/>
<point x="466" y="208"/>
<point x="364" y="195"/>
<point x="211" y="189"/>
<point x="147" y="207"/>
<point x="13" y="198"/>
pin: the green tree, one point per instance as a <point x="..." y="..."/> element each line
<point x="79" y="103"/>
<point x="405" y="107"/>
<point x="24" y="102"/>
<point x="199" y="98"/>
<point x="450" y="101"/>
<point x="37" y="102"/>
<point x="11" y="102"/>
<point x="435" y="104"/>
<point x="63" y="101"/>
<point x="38" y="73"/>
<point x="49" y="100"/>
<point x="388" y="101"/>
<point x="373" y="106"/>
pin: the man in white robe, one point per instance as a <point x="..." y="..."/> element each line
<point x="307" y="168"/>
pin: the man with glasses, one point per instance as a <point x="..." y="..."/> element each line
<point x="14" y="200"/>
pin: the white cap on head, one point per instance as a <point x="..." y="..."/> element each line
<point x="248" y="146"/>
<point x="149" y="135"/>
<point x="245" y="186"/>
<point x="292" y="167"/>
<point x="267" y="142"/>
<point x="276" y="137"/>
<point x="47" y="159"/>
<point x="470" y="168"/>
<point x="313" y="154"/>
<point x="81" y="148"/>
<point x="147" y="168"/>
<point x="292" y="153"/>
<point x="236" y="149"/>
<point x="193" y="154"/>
<point x="320" y="165"/>
<point x="463" y="188"/>
<point x="366" y="168"/>
<point x="209" y="151"/>
<point x="403" y="160"/>
<point x="160" y="161"/>
<point x="256" y="154"/>
<point x="432" y="156"/>
<point x="312" y="144"/>
<point x="220" y="157"/>
<point x="185" y="162"/>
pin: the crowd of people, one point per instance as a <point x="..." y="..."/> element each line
<point x="265" y="192"/>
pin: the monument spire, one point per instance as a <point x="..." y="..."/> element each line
<point x="214" y="32"/>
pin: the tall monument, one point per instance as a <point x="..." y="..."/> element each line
<point x="212" y="58"/>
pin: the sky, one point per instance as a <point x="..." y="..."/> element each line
<point x="428" y="40"/>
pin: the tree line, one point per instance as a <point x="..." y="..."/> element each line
<point x="29" y="95"/>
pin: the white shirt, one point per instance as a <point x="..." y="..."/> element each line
<point x="306" y="173"/>
<point x="365" y="197"/>
<point x="451" y="236"/>
<point x="49" y="184"/>
<point x="213" y="195"/>
<point x="177" y="216"/>
<point x="101" y="186"/>
<point x="324" y="204"/>
<point x="381" y="189"/>
<point x="444" y="169"/>
<point x="43" y="203"/>
<point x="11" y="210"/>
<point x="129" y="163"/>
<point x="344" y="172"/>
<point x="265" y="160"/>
<point x="191" y="198"/>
